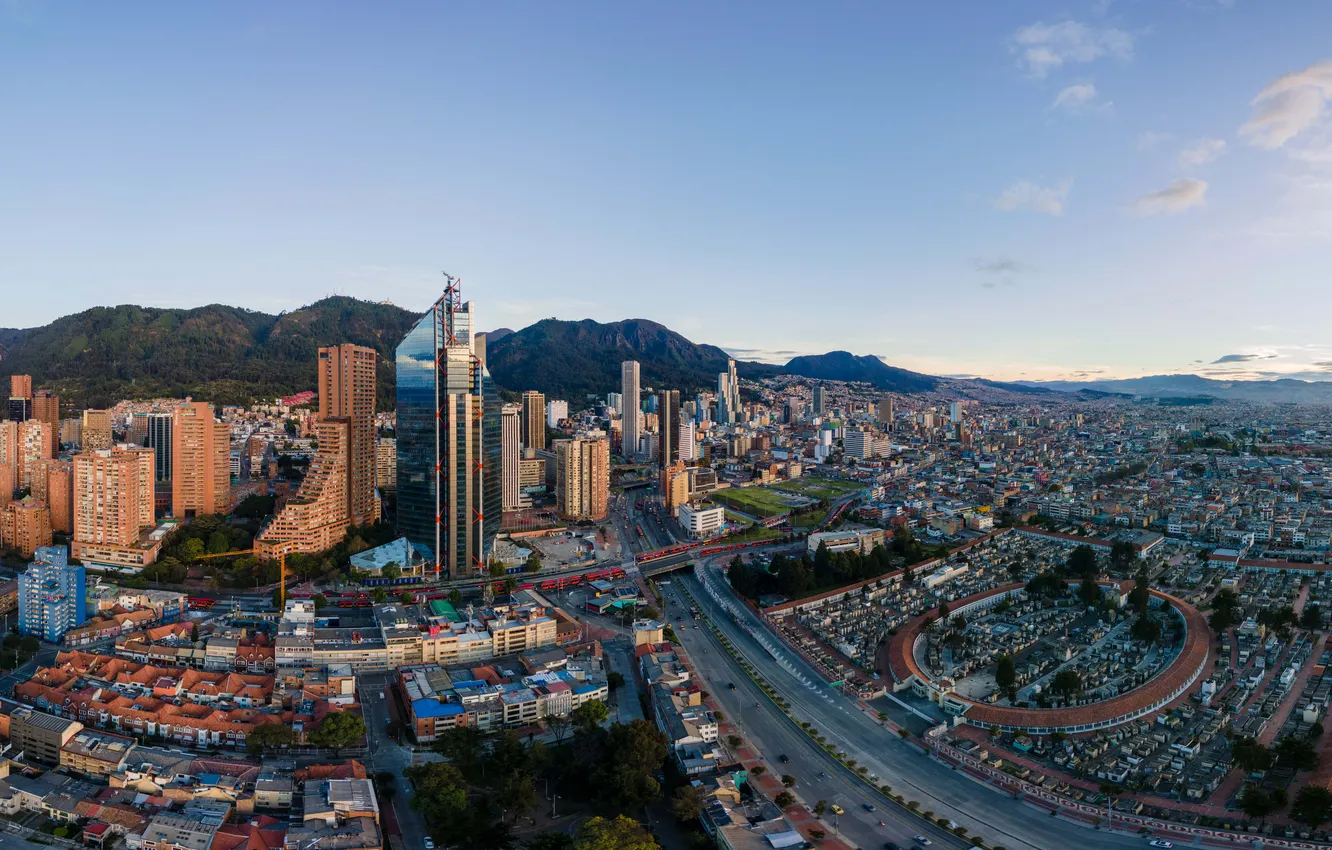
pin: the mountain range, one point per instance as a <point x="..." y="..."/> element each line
<point x="229" y="355"/>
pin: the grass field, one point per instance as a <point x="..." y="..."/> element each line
<point x="753" y="534"/>
<point x="757" y="501"/>
<point x="819" y="488"/>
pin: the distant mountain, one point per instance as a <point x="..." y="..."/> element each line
<point x="496" y="335"/>
<point x="1282" y="391"/>
<point x="574" y="359"/>
<point x="226" y="355"/>
<point x="864" y="368"/>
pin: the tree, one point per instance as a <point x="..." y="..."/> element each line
<point x="441" y="796"/>
<point x="1225" y="611"/>
<point x="533" y="562"/>
<point x="1296" y="753"/>
<point x="944" y="611"/>
<point x="1313" y="806"/>
<point x="462" y="746"/>
<point x="1067" y="682"/>
<point x="191" y="549"/>
<point x="820" y="807"/>
<point x="218" y="543"/>
<point x="338" y="730"/>
<point x="1089" y="592"/>
<point x="1146" y="628"/>
<point x="622" y="833"/>
<point x="406" y="598"/>
<point x="549" y="840"/>
<point x="379" y="596"/>
<point x="320" y="601"/>
<point x="269" y="736"/>
<point x="784" y="800"/>
<point x="194" y="633"/>
<point x="687" y="804"/>
<point x="497" y="570"/>
<point x="1249" y="755"/>
<point x="788" y="780"/>
<point x="391" y="571"/>
<point x="634" y="753"/>
<point x="590" y="715"/>
<point x="734" y="741"/>
<point x="29" y="645"/>
<point x="1312" y="616"/>
<point x="1005" y="673"/>
<point x="1082" y="561"/>
<point x="558" y="725"/>
<point x="518" y="791"/>
<point x="1255" y="803"/>
<point x="759" y="770"/>
<point x="614" y="680"/>
<point x="1141" y="596"/>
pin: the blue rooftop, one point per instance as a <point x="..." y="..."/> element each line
<point x="427" y="707"/>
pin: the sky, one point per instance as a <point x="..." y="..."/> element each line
<point x="1020" y="190"/>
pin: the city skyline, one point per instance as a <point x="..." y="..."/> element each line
<point x="1142" y="186"/>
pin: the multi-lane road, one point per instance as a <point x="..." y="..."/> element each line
<point x="985" y="812"/>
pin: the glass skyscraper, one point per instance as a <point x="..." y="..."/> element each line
<point x="450" y="497"/>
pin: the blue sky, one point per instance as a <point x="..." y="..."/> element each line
<point x="1012" y="189"/>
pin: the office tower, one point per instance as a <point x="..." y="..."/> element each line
<point x="58" y="493"/>
<point x="556" y="412"/>
<point x="688" y="447"/>
<point x="582" y="477"/>
<point x="71" y="430"/>
<point x="200" y="461"/>
<point x="820" y="401"/>
<point x="668" y="427"/>
<point x="51" y="595"/>
<point x="46" y="409"/>
<point x="34" y="446"/>
<point x="700" y="409"/>
<point x="734" y="383"/>
<point x="10" y="459"/>
<point x="724" y="410"/>
<point x="534" y="420"/>
<point x="615" y="401"/>
<point x="138" y="429"/>
<point x="20" y="386"/>
<point x="113" y="504"/>
<point x="632" y="413"/>
<point x="795" y="409"/>
<point x="450" y="457"/>
<point x="96" y="430"/>
<point x="347" y="391"/>
<point x="386" y="464"/>
<point x="955" y="412"/>
<point x="157" y="436"/>
<point x="512" y="436"/>
<point x="884" y="411"/>
<point x="20" y="409"/>
<point x="25" y="525"/>
<point x="858" y="444"/>
<point x="316" y="518"/>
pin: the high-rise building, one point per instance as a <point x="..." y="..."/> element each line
<point x="46" y="409"/>
<point x="725" y="412"/>
<point x="386" y="464"/>
<point x="820" y="401"/>
<point x="71" y="430"/>
<point x="450" y="498"/>
<point x="113" y="505"/>
<point x="884" y="411"/>
<point x="59" y="494"/>
<point x="20" y="386"/>
<point x="200" y="461"/>
<point x="534" y="420"/>
<point x="688" y="445"/>
<point x="615" y="401"/>
<point x="582" y="477"/>
<point x="734" y="384"/>
<point x="10" y="462"/>
<point x="51" y="595"/>
<point x="25" y="525"/>
<point x="315" y="518"/>
<point x="795" y="409"/>
<point x="96" y="430"/>
<point x="138" y="429"/>
<point x="857" y="443"/>
<point x="20" y="409"/>
<point x="347" y="391"/>
<point x="157" y="436"/>
<point x="34" y="446"/>
<point x="556" y="412"/>
<point x="633" y="411"/>
<point x="955" y="412"/>
<point x="674" y="485"/>
<point x="511" y="435"/>
<point x="668" y="413"/>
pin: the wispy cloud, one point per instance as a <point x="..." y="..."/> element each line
<point x="1026" y="195"/>
<point x="1080" y="99"/>
<point x="1201" y="153"/>
<point x="1043" y="47"/>
<point x="1245" y="358"/>
<point x="1180" y="195"/>
<point x="1290" y="105"/>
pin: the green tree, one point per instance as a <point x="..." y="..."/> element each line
<point x="1067" y="682"/>
<point x="590" y="715"/>
<point x="1312" y="806"/>
<point x="1255" y="803"/>
<point x="788" y="780"/>
<point x="820" y="807"/>
<point x="320" y="601"/>
<point x="1250" y="756"/>
<point x="1312" y="616"/>
<point x="29" y="645"/>
<point x="441" y="796"/>
<point x="519" y="793"/>
<point x="634" y="752"/>
<point x="1005" y="673"/>
<point x="533" y="563"/>
<point x="614" y="680"/>
<point x="218" y="543"/>
<point x="558" y="725"/>
<point x="194" y="633"/>
<point x="1296" y="753"/>
<point x="463" y="746"/>
<point x="1141" y="596"/>
<point x="1082" y="561"/>
<point x="1089" y="592"/>
<point x="269" y="736"/>
<point x="391" y="571"/>
<point x="191" y="549"/>
<point x="687" y="803"/>
<point x="784" y="799"/>
<point x="379" y="596"/>
<point x="338" y="730"/>
<point x="549" y="840"/>
<point x="622" y="833"/>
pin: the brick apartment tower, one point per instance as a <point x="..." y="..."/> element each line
<point x="58" y="476"/>
<point x="96" y="430"/>
<point x="20" y="386"/>
<point x="46" y="409"/>
<point x="347" y="391"/>
<point x="200" y="461"/>
<point x="534" y="420"/>
<point x="113" y="499"/>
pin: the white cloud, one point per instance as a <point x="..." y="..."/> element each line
<point x="1205" y="151"/>
<point x="1291" y="104"/>
<point x="1179" y="196"/>
<point x="1078" y="99"/>
<point x="1026" y="195"/>
<point x="1042" y="47"/>
<point x="1151" y="138"/>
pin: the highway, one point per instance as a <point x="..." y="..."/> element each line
<point x="937" y="787"/>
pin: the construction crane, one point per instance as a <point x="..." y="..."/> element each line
<point x="282" y="568"/>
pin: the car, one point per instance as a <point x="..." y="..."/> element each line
<point x="429" y="843"/>
<point x="784" y="758"/>
<point x="921" y="840"/>
<point x="731" y="685"/>
<point x="1160" y="842"/>
<point x="837" y="810"/>
<point x="869" y="807"/>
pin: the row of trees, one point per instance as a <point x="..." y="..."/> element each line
<point x="805" y="574"/>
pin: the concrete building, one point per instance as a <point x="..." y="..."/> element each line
<point x="820" y="401"/>
<point x="53" y="484"/>
<point x="157" y="436"/>
<point x="25" y="525"/>
<point x="688" y="443"/>
<point x="858" y="443"/>
<point x="386" y="464"/>
<point x="632" y="414"/>
<point x="113" y="505"/>
<point x="95" y="753"/>
<point x="41" y="736"/>
<point x="512" y="455"/>
<point x="668" y="429"/>
<point x="20" y="386"/>
<point x="200" y="451"/>
<point x="534" y="420"/>
<point x="582" y="477"/>
<point x="347" y="391"/>
<point x="556" y="412"/>
<point x="701" y="520"/>
<point x="884" y="410"/>
<point x="315" y="518"/>
<point x="51" y="595"/>
<point x="46" y="409"/>
<point x="96" y="430"/>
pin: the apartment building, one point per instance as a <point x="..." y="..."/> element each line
<point x="25" y="525"/>
<point x="41" y="736"/>
<point x="96" y="430"/>
<point x="582" y="477"/>
<point x="200" y="467"/>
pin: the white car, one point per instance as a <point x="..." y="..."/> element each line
<point x="1160" y="842"/>
<point x="922" y="840"/>
<point x="429" y="843"/>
